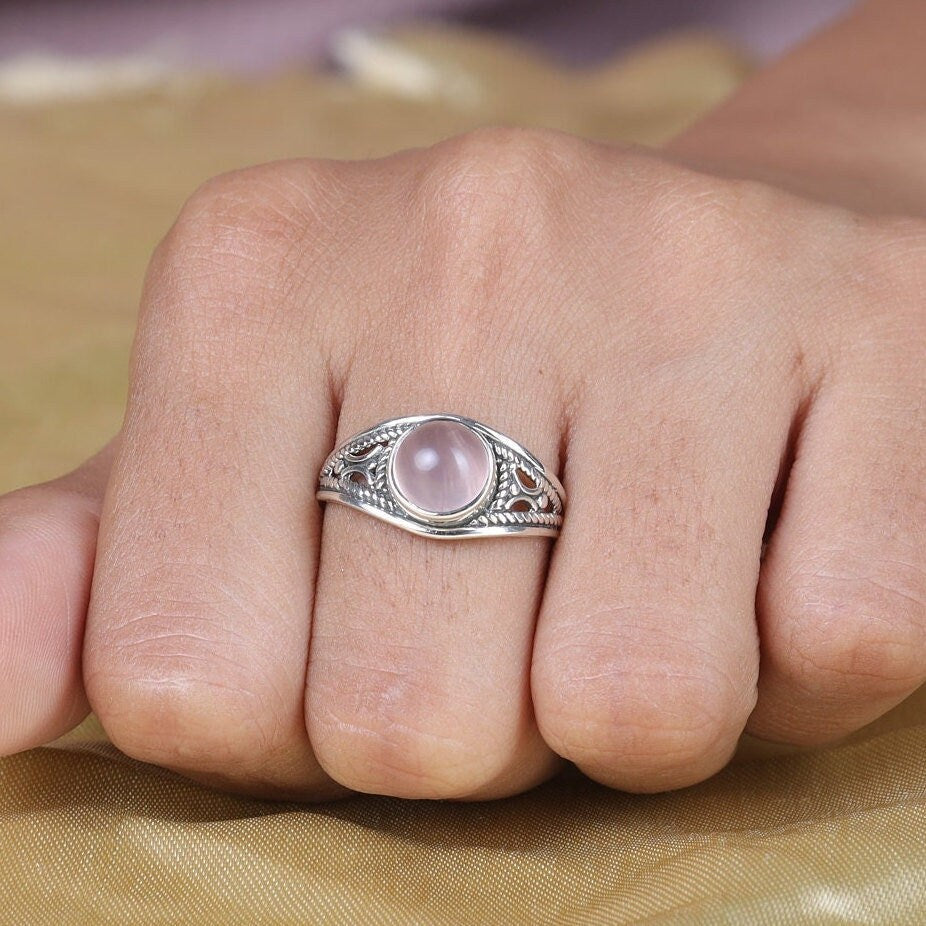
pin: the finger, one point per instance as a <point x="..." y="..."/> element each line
<point x="418" y="682"/>
<point x="842" y="598"/>
<point x="47" y="542"/>
<point x="646" y="658"/>
<point x="198" y="629"/>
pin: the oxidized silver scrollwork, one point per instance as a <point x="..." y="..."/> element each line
<point x="521" y="497"/>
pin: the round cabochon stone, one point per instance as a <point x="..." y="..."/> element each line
<point x="441" y="466"/>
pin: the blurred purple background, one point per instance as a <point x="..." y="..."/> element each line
<point x="253" y="35"/>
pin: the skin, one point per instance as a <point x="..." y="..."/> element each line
<point x="714" y="345"/>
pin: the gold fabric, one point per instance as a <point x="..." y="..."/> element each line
<point x="90" y="836"/>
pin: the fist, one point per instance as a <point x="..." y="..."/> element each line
<point x="729" y="380"/>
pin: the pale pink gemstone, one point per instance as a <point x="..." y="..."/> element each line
<point x="441" y="466"/>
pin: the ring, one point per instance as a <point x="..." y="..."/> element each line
<point x="444" y="476"/>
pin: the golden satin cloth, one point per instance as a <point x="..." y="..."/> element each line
<point x="90" y="836"/>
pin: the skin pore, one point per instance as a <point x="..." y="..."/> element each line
<point x="737" y="319"/>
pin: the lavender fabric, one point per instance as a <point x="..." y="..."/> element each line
<point x="244" y="35"/>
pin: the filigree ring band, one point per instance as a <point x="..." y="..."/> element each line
<point x="444" y="476"/>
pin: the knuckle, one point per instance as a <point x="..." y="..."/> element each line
<point x="485" y="193"/>
<point x="887" y="268"/>
<point x="857" y="636"/>
<point x="397" y="760"/>
<point x="222" y="293"/>
<point x="646" y="721"/>
<point x="496" y="160"/>
<point x="226" y="221"/>
<point x="678" y="231"/>
<point x="725" y="222"/>
<point x="165" y="695"/>
<point x="702" y="213"/>
<point x="486" y="204"/>
<point x="269" y="206"/>
<point x="889" y="253"/>
<point x="174" y="722"/>
<point x="241" y="234"/>
<point x="395" y="736"/>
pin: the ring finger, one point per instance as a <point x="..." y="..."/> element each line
<point x="418" y="682"/>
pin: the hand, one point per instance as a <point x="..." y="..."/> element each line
<point x="705" y="361"/>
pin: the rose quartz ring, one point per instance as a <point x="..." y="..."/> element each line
<point x="444" y="476"/>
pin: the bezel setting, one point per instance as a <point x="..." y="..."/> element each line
<point x="442" y="517"/>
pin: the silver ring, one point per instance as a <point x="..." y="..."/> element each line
<point x="444" y="476"/>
